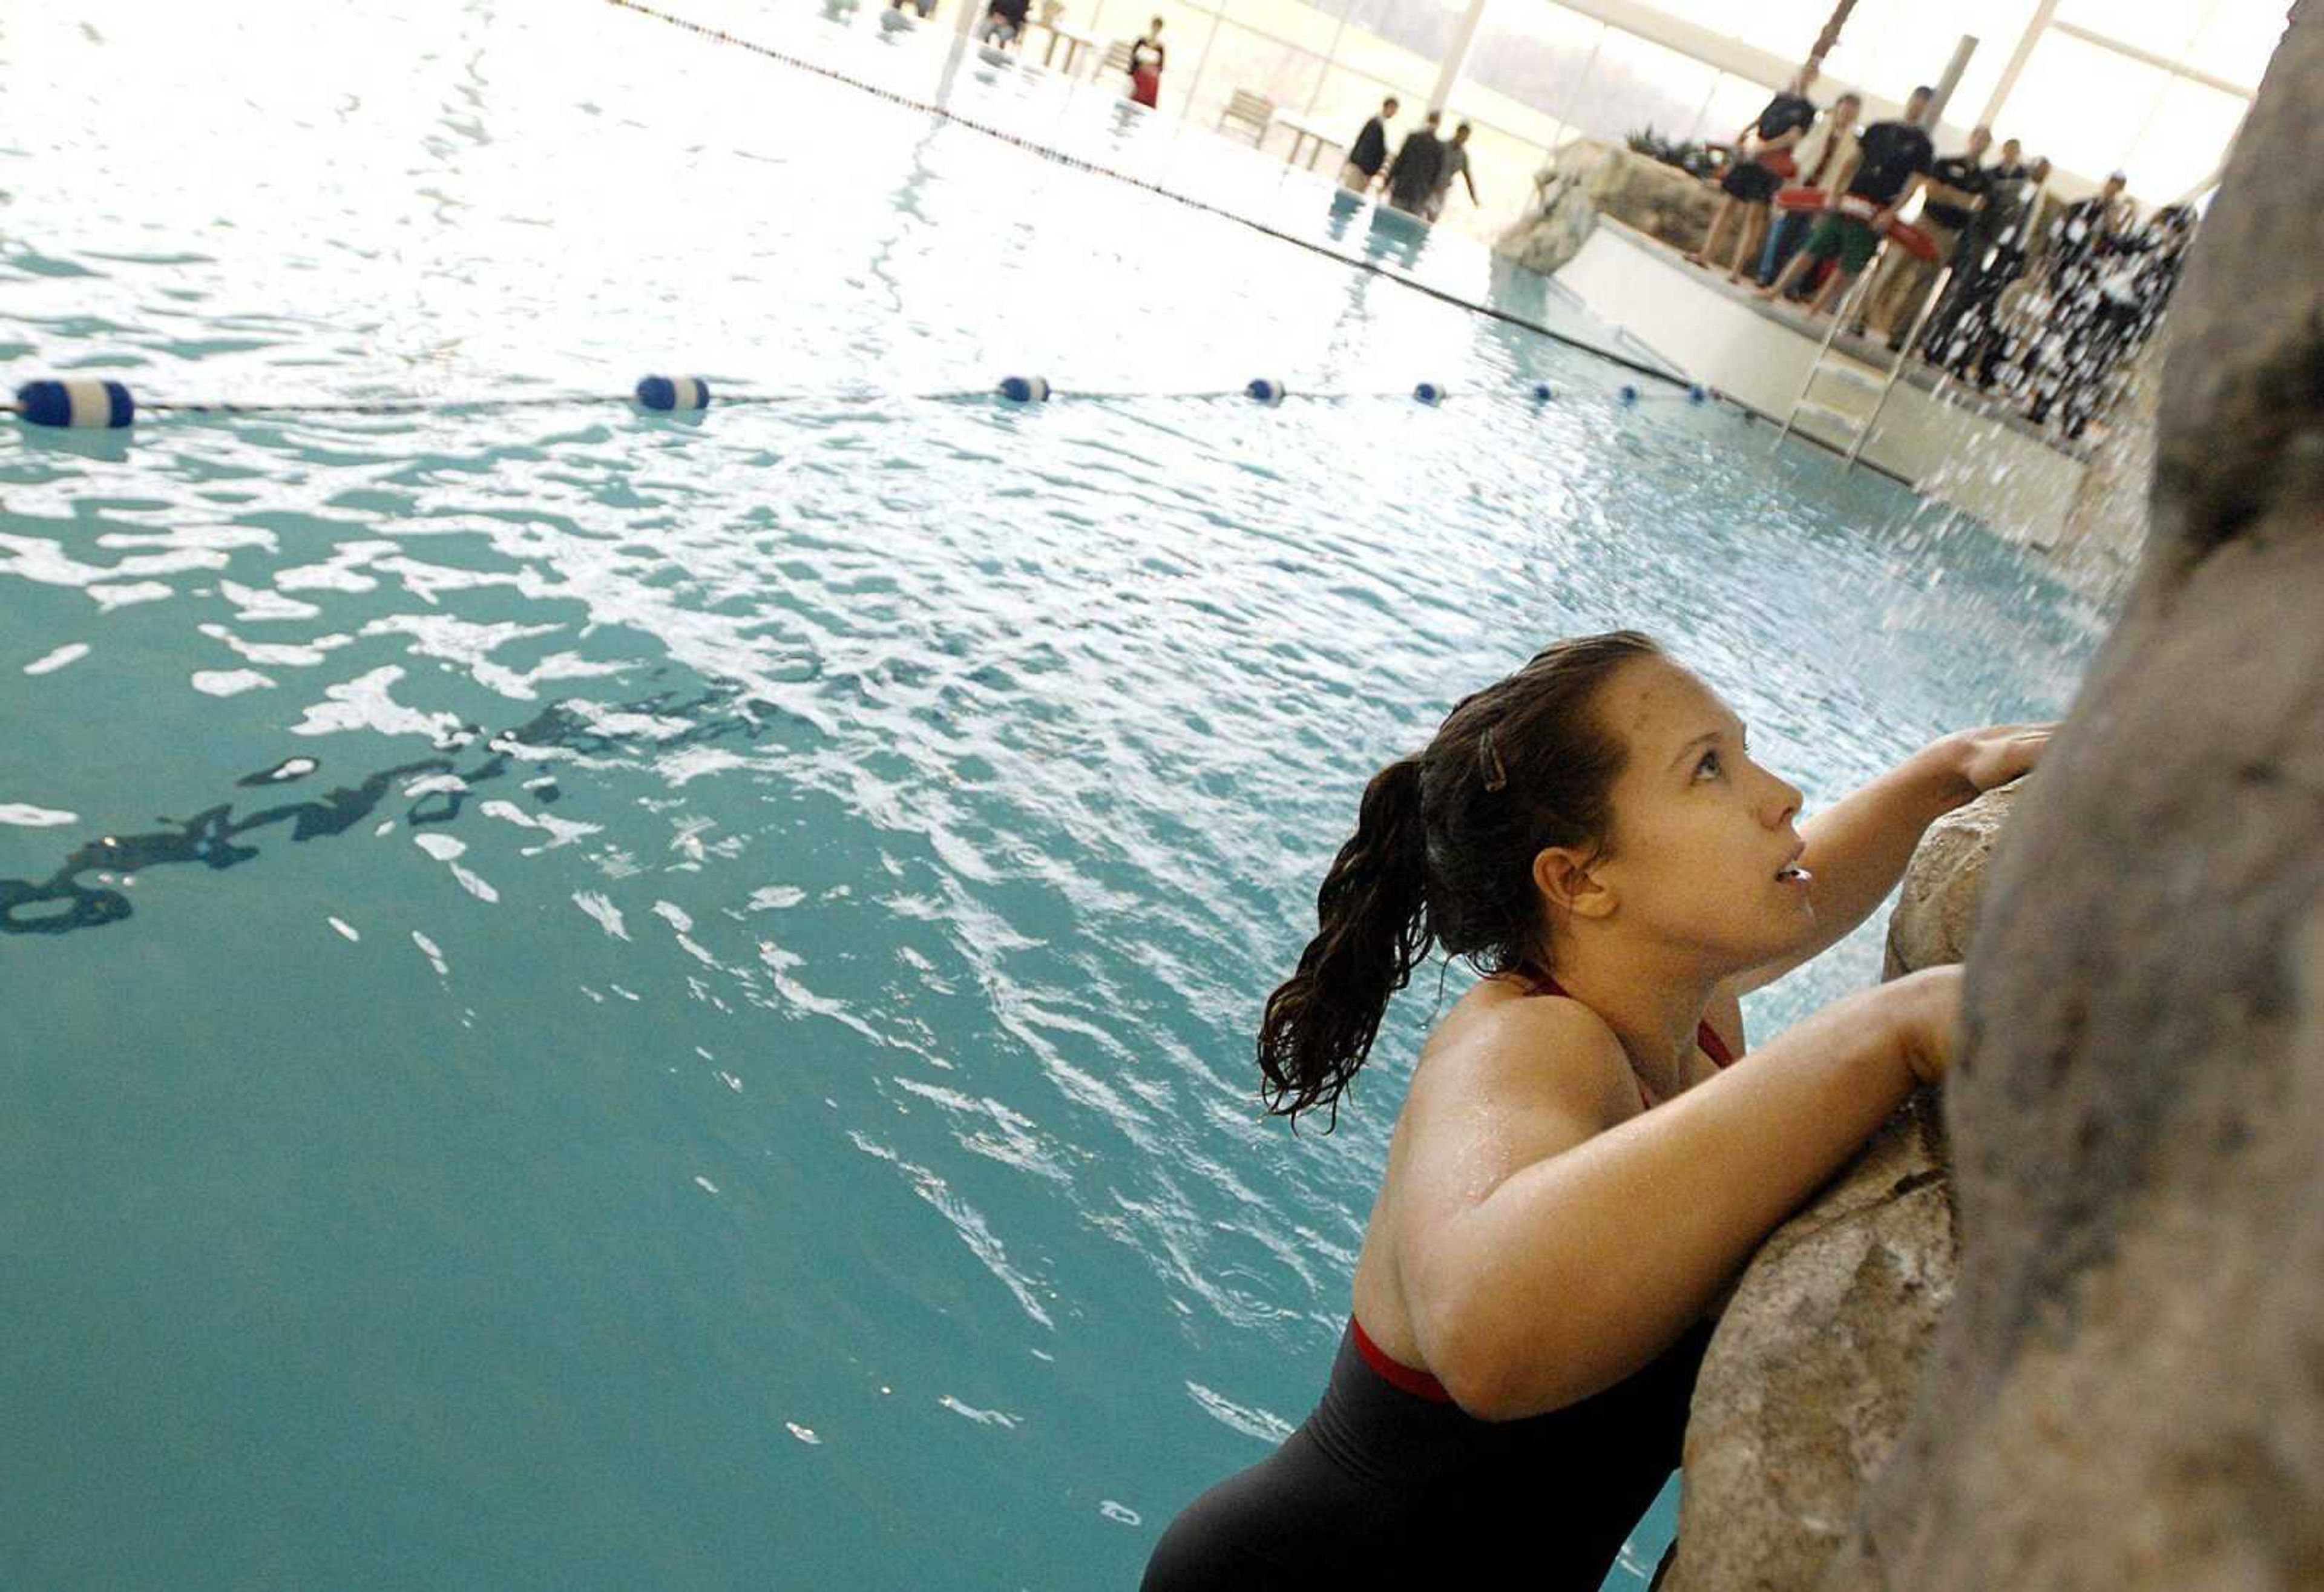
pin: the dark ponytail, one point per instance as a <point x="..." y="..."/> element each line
<point x="1443" y="854"/>
<point x="1319" y="1026"/>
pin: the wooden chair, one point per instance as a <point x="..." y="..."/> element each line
<point x="1254" y="112"/>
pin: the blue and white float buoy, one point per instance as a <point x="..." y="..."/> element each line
<point x="1629" y="395"/>
<point x="1025" y="389"/>
<point x="1429" y="393"/>
<point x="1697" y="392"/>
<point x="1265" y="390"/>
<point x="81" y="402"/>
<point x="1541" y="393"/>
<point x="667" y="393"/>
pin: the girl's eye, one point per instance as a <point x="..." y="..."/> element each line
<point x="1709" y="761"/>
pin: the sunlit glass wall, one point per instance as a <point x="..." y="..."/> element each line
<point x="2155" y="88"/>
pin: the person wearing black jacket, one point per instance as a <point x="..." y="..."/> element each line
<point x="2005" y="200"/>
<point x="1368" y="152"/>
<point x="1412" y="178"/>
<point x="1892" y="160"/>
<point x="1955" y="192"/>
<point x="1966" y="334"/>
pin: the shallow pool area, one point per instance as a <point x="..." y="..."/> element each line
<point x="594" y="999"/>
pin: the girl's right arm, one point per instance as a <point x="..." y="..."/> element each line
<point x="1551" y="1247"/>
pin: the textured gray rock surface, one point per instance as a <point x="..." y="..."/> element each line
<point x="1809" y="1379"/>
<point x="2128" y="1391"/>
<point x="1936" y="908"/>
<point x="1810" y="1376"/>
<point x="1594" y="179"/>
<point x="1566" y="213"/>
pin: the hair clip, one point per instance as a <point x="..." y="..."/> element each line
<point x="1496" y="775"/>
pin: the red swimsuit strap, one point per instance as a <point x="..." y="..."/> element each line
<point x="1704" y="1034"/>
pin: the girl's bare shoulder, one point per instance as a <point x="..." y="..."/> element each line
<point x="1502" y="1044"/>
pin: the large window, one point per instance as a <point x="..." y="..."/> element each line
<point x="2157" y="87"/>
<point x="2230" y="39"/>
<point x="1782" y="28"/>
<point x="1535" y="54"/>
<point x="2183" y="141"/>
<point x="2237" y="39"/>
<point x="2082" y="106"/>
<point x="1891" y="45"/>
<point x="2094" y="108"/>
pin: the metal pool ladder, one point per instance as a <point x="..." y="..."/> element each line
<point x="1855" y="373"/>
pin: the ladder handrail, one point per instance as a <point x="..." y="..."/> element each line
<point x="1839" y="314"/>
<point x="1896" y="371"/>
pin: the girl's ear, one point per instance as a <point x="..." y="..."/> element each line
<point x="1566" y="880"/>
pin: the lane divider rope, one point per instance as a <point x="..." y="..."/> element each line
<point x="101" y="404"/>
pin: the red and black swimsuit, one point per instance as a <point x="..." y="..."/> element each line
<point x="1389" y="1478"/>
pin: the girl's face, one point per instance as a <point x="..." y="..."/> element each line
<point x="1703" y="837"/>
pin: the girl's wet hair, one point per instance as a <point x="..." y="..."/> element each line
<point x="1443" y="854"/>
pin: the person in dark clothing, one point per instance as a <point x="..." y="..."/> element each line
<point x="2174" y="229"/>
<point x="2004" y="204"/>
<point x="1455" y="169"/>
<point x="1954" y="193"/>
<point x="2087" y="227"/>
<point x="1368" y="152"/>
<point x="1893" y="159"/>
<point x="1004" y="22"/>
<point x="1554" y="1226"/>
<point x="2130" y="286"/>
<point x="1822" y="156"/>
<point x="1763" y="163"/>
<point x="2084" y="242"/>
<point x="1966" y="335"/>
<point x="1412" y="175"/>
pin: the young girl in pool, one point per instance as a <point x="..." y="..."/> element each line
<point x="1576" y="1176"/>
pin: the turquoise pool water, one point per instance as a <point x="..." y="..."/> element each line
<point x="615" y="1002"/>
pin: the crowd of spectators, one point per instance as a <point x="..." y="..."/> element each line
<point x="2033" y="301"/>
<point x="1990" y="279"/>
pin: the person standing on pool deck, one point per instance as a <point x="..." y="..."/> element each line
<point x="1954" y="193"/>
<point x="2005" y="185"/>
<point x="1534" y="1293"/>
<point x="1145" y="59"/>
<point x="1763" y="163"/>
<point x="1412" y="175"/>
<point x="1822" y="156"/>
<point x="1456" y="165"/>
<point x="1368" y="152"/>
<point x="1978" y="335"/>
<point x="1892" y="160"/>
